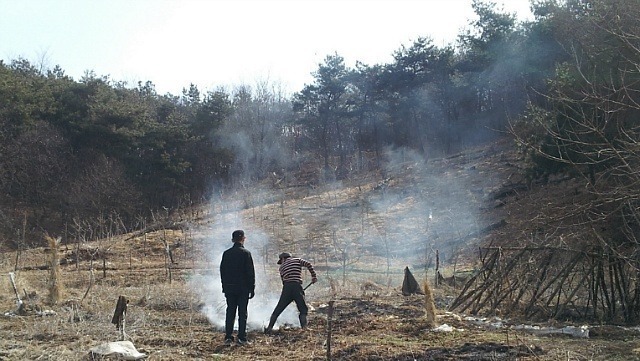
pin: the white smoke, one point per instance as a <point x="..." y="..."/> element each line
<point x="424" y="207"/>
<point x="268" y="286"/>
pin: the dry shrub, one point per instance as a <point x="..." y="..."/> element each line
<point x="370" y="287"/>
<point x="26" y="284"/>
<point x="429" y="305"/>
<point x="173" y="297"/>
<point x="333" y="287"/>
<point x="55" y="286"/>
<point x="6" y="290"/>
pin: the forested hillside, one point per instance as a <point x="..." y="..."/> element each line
<point x="96" y="156"/>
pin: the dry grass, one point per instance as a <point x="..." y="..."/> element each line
<point x="371" y="321"/>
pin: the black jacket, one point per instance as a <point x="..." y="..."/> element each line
<point x="236" y="270"/>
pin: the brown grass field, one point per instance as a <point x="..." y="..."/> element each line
<point x="174" y="308"/>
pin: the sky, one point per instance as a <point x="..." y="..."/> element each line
<point x="213" y="43"/>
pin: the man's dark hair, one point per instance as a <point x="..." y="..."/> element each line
<point x="237" y="235"/>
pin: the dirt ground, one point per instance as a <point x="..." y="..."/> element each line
<point x="360" y="235"/>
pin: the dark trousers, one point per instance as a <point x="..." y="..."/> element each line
<point x="291" y="292"/>
<point x="236" y="301"/>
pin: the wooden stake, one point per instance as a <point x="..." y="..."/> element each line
<point x="329" y="316"/>
<point x="15" y="289"/>
<point x="437" y="280"/>
<point x="91" y="281"/>
<point x="119" y="316"/>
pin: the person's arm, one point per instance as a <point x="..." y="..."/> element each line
<point x="251" y="276"/>
<point x="314" y="277"/>
<point x="223" y="272"/>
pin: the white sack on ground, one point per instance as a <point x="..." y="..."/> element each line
<point x="122" y="349"/>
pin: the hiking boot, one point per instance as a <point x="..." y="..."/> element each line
<point x="228" y="342"/>
<point x="243" y="342"/>
<point x="268" y="331"/>
<point x="303" y="321"/>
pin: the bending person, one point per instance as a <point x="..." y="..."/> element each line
<point x="291" y="275"/>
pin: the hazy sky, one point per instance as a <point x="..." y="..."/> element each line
<point x="215" y="43"/>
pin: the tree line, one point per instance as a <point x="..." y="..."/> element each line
<point x="98" y="148"/>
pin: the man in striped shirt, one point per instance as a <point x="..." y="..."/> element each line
<point x="291" y="275"/>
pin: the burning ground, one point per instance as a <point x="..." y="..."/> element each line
<point x="360" y="235"/>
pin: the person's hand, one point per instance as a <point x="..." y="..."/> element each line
<point x="314" y="280"/>
<point x="251" y="294"/>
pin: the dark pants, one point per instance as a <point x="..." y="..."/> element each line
<point x="291" y="292"/>
<point x="239" y="301"/>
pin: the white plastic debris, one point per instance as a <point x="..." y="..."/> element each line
<point x="450" y="315"/>
<point x="46" y="313"/>
<point x="443" y="328"/>
<point x="121" y="349"/>
<point x="580" y="332"/>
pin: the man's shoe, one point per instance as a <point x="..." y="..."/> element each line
<point x="228" y="342"/>
<point x="243" y="342"/>
<point x="267" y="331"/>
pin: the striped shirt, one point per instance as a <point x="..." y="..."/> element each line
<point x="291" y="269"/>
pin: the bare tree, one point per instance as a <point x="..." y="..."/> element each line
<point x="590" y="130"/>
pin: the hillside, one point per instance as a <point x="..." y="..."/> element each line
<point x="360" y="234"/>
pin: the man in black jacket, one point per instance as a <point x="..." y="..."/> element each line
<point x="238" y="284"/>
